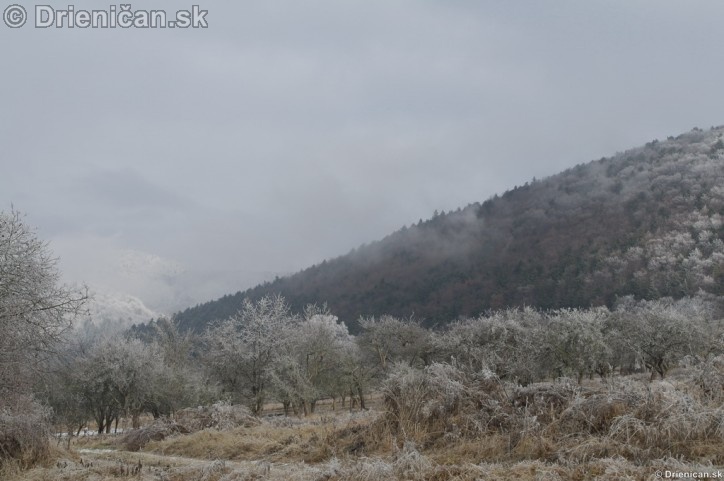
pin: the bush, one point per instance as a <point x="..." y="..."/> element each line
<point x="220" y="415"/>
<point x="160" y="429"/>
<point x="24" y="435"/>
<point x="545" y="400"/>
<point x="668" y="418"/>
<point x="441" y="399"/>
<point x="709" y="376"/>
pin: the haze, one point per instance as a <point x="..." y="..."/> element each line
<point x="175" y="166"/>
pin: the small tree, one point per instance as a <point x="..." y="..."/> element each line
<point x="576" y="343"/>
<point x="241" y="349"/>
<point x="311" y="367"/>
<point x="115" y="377"/>
<point x="388" y="339"/>
<point x="506" y="342"/>
<point x="658" y="332"/>
<point x="180" y="381"/>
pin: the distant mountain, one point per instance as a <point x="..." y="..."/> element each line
<point x="115" y="311"/>
<point x="647" y="222"/>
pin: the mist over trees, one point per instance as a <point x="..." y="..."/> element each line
<point x="648" y="222"/>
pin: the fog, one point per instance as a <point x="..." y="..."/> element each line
<point x="175" y="166"/>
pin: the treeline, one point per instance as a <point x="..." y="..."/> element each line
<point x="648" y="222"/>
<point x="265" y="353"/>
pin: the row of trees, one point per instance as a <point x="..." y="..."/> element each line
<point x="104" y="378"/>
<point x="526" y="345"/>
<point x="266" y="349"/>
<point x="266" y="353"/>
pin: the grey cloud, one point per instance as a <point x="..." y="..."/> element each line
<point x="289" y="132"/>
<point x="126" y="189"/>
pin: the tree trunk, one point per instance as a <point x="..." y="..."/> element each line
<point x="361" y="398"/>
<point x="101" y="424"/>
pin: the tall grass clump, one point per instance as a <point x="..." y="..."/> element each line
<point x="441" y="400"/>
<point x="24" y="435"/>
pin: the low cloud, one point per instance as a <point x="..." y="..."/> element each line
<point x="287" y="133"/>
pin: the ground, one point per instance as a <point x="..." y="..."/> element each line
<point x="608" y="430"/>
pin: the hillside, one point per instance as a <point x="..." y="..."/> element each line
<point x="647" y="222"/>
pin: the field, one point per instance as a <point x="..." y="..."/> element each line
<point x="435" y="427"/>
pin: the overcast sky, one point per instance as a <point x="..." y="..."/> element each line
<point x="179" y="165"/>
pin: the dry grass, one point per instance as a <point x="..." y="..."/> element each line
<point x="158" y="430"/>
<point x="220" y="415"/>
<point x="456" y="427"/>
<point x="408" y="463"/>
<point x="311" y="440"/>
<point x="24" y="438"/>
<point x="107" y="466"/>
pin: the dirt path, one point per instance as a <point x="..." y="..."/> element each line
<point x="109" y="464"/>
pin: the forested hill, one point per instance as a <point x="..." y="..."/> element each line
<point x="646" y="222"/>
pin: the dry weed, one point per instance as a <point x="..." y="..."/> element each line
<point x="160" y="429"/>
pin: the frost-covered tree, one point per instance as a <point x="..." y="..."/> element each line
<point x="576" y="343"/>
<point x="106" y="377"/>
<point x="35" y="309"/>
<point x="114" y="377"/>
<point x="659" y="332"/>
<point x="180" y="381"/>
<point x="35" y="313"/>
<point x="388" y="339"/>
<point x="243" y="348"/>
<point x="310" y="369"/>
<point x="505" y="342"/>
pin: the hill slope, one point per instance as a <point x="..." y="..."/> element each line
<point x="647" y="222"/>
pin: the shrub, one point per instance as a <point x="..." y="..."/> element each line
<point x="424" y="404"/>
<point x="545" y="400"/>
<point x="24" y="435"/>
<point x="157" y="431"/>
<point x="220" y="415"/>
